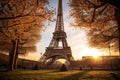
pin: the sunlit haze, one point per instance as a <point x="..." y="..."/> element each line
<point x="76" y="38"/>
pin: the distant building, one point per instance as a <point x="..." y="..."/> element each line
<point x="101" y="62"/>
<point x="101" y="57"/>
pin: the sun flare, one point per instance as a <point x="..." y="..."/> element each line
<point x="95" y="53"/>
<point x="96" y="56"/>
<point x="89" y="52"/>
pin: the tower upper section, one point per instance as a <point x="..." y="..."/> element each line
<point x="59" y="22"/>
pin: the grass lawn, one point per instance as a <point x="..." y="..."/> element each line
<point x="56" y="75"/>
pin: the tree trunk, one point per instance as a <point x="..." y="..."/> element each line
<point x="10" y="60"/>
<point x="16" y="59"/>
<point x="12" y="55"/>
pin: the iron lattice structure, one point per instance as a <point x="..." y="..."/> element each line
<point x="58" y="47"/>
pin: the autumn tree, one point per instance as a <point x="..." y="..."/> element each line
<point x="21" y="22"/>
<point x="116" y="4"/>
<point x="99" y="18"/>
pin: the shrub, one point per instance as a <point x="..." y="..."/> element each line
<point x="36" y="67"/>
<point x="63" y="68"/>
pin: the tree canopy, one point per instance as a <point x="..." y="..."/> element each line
<point x="99" y="20"/>
<point x="23" y="20"/>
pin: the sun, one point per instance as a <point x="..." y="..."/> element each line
<point x="96" y="56"/>
<point x="95" y="53"/>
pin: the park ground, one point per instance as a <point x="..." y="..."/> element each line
<point x="57" y="75"/>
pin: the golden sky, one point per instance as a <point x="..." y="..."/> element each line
<point x="76" y="38"/>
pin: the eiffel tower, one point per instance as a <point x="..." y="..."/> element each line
<point x="58" y="48"/>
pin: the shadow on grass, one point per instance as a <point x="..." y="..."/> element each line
<point x="74" y="76"/>
<point x="115" y="76"/>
